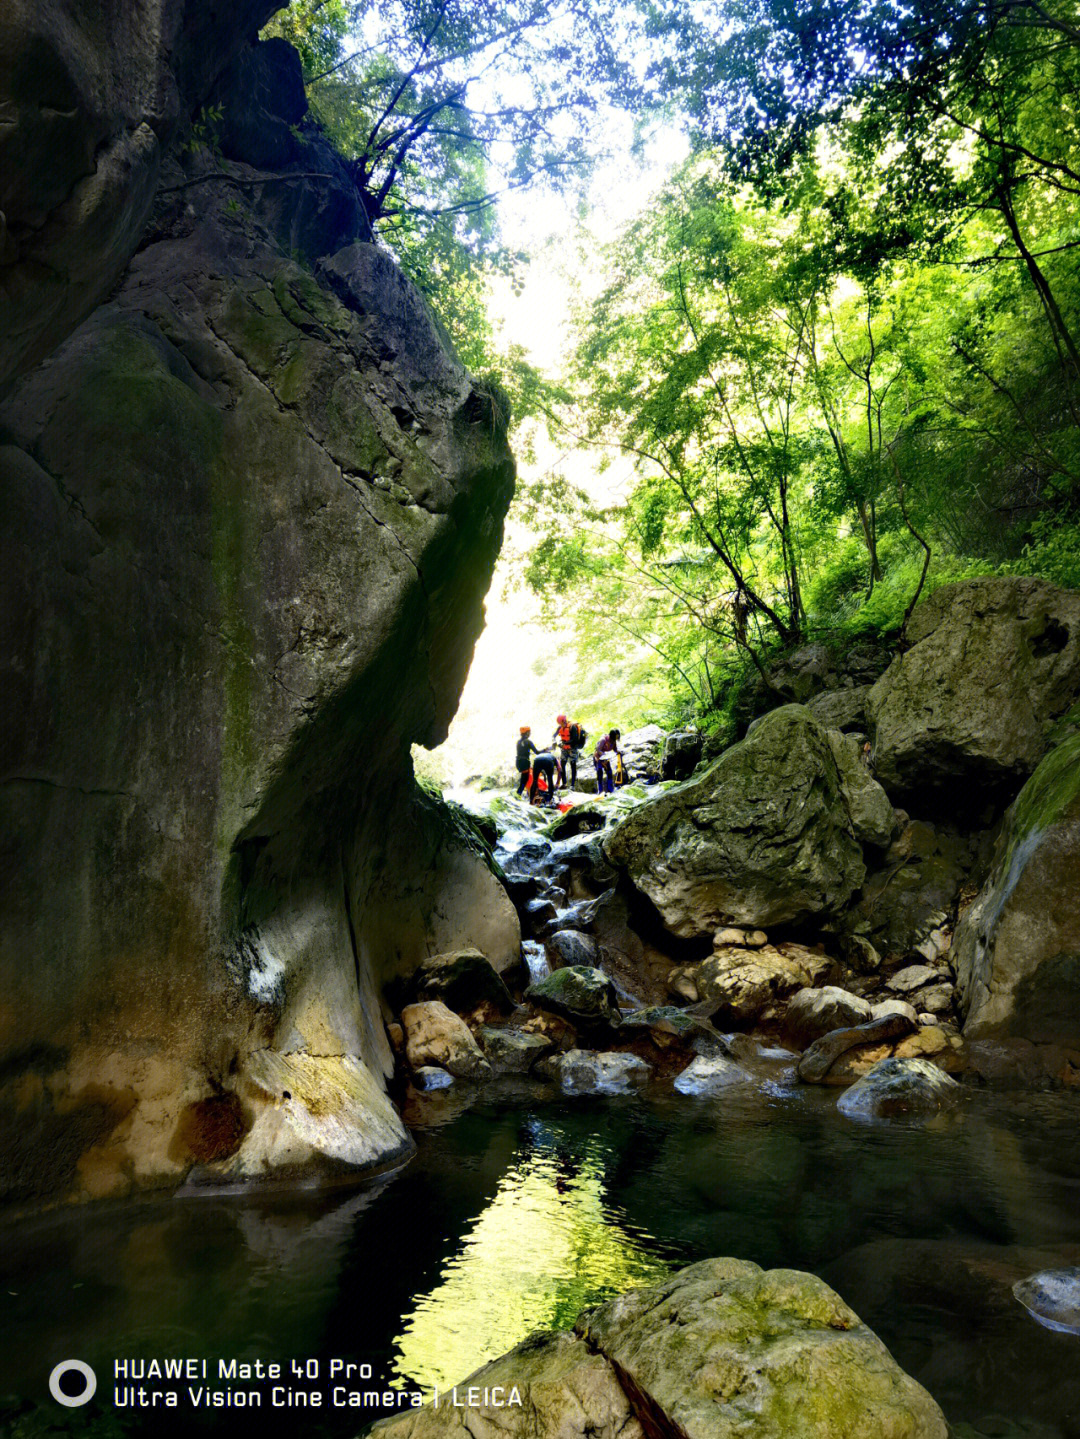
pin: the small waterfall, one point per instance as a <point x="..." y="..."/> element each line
<point x="535" y="957"/>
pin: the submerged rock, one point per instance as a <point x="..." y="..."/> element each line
<point x="1017" y="948"/>
<point x="899" y="1086"/>
<point x="434" y="1035"/>
<point x="709" y="1074"/>
<point x="584" y="1071"/>
<point x="993" y="662"/>
<point x="579" y="993"/>
<point x="430" y="1076"/>
<point x="762" y="836"/>
<point x="1053" y="1298"/>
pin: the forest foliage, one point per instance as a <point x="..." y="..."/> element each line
<point x="840" y="346"/>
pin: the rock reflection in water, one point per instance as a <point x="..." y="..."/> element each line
<point x="545" y="1246"/>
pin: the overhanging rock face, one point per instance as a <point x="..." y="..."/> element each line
<point x="252" y="509"/>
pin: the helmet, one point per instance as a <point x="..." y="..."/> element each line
<point x="525" y="729"/>
<point x="560" y="719"/>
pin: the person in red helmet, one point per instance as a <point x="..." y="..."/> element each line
<point x="525" y="748"/>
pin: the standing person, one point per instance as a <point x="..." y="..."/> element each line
<point x="560" y="742"/>
<point x="602" y="757"/>
<point x="578" y="736"/>
<point x="525" y="748"/>
<point x="543" y="765"/>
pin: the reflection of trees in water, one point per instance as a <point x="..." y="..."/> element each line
<point x="546" y="1245"/>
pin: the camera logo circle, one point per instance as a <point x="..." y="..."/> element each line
<point x="72" y="1366"/>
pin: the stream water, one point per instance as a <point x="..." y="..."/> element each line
<point x="522" y="1209"/>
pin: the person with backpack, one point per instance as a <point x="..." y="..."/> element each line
<point x="570" y="738"/>
<point x="525" y="748"/>
<point x="603" y="755"/>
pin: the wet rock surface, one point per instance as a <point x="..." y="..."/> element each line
<point x="899" y="1086"/>
<point x="579" y="993"/>
<point x="436" y="1036"/>
<point x="584" y="1071"/>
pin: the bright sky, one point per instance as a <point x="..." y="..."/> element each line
<point x="525" y="672"/>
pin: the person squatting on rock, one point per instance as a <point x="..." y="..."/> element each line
<point x="603" y="755"/>
<point x="570" y="739"/>
<point x="525" y="748"/>
<point x="543" y="766"/>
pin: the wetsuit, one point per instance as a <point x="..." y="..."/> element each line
<point x="525" y="748"/>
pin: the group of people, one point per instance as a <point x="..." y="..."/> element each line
<point x="542" y="772"/>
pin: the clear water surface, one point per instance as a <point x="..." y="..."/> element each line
<point x="521" y="1210"/>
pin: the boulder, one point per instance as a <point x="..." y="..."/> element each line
<point x="748" y="938"/>
<point x="739" y="983"/>
<point x="824" y="1052"/>
<point x="969" y="709"/>
<point x="666" y="1022"/>
<point x="642" y="749"/>
<point x="710" y="1074"/>
<point x="580" y="993"/>
<point x="584" y="1071"/>
<point x="913" y="977"/>
<point x="574" y="948"/>
<point x="899" y="1086"/>
<point x="911" y="889"/>
<point x="430" y="1077"/>
<point x="762" y="836"/>
<point x="462" y="979"/>
<point x="843" y="710"/>
<point x="513" y="1051"/>
<point x="434" y="1035"/>
<point x="725" y="1349"/>
<point x="814" y="1012"/>
<point x="1016" y="950"/>
<point x="894" y="1006"/>
<point x="566" y="1392"/>
<point x="869" y="808"/>
<point x="681" y="754"/>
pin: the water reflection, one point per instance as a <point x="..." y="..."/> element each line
<point x="545" y="1246"/>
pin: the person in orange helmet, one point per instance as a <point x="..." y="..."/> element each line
<point x="525" y="748"/>
<point x="560" y="744"/>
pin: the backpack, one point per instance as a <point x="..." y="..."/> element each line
<point x="578" y="736"/>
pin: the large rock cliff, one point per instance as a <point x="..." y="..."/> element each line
<point x="253" y="505"/>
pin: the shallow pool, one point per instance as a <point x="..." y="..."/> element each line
<point x="521" y="1210"/>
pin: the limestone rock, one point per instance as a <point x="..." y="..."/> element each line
<point x="992" y="664"/>
<point x="583" y="1071"/>
<point x="913" y="977"/>
<point x="513" y="1051"/>
<point x="434" y="1035"/>
<point x="567" y="1392"/>
<point x="898" y="1086"/>
<point x="843" y="710"/>
<point x="681" y="754"/>
<point x="749" y="938"/>
<point x="461" y="979"/>
<point x="739" y="983"/>
<point x="710" y="1074"/>
<point x="313" y="1113"/>
<point x="912" y="888"/>
<point x="762" y="836"/>
<point x="642" y="749"/>
<point x="824" y="1052"/>
<point x="724" y="1348"/>
<point x="579" y="993"/>
<point x="894" y="1006"/>
<point x="431" y="1077"/>
<point x="252" y="505"/>
<point x="1053" y="1298"/>
<point x="574" y="948"/>
<point x="668" y="1021"/>
<point x="814" y="1012"/>
<point x="1017" y="948"/>
<point x="869" y="808"/>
